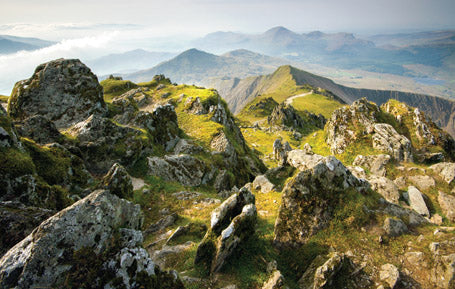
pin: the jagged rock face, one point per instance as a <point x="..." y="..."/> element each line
<point x="349" y="123"/>
<point x="186" y="146"/>
<point x="63" y="90"/>
<point x="376" y="164"/>
<point x="309" y="198"/>
<point x="40" y="129"/>
<point x="280" y="151"/>
<point x="103" y="143"/>
<point x="40" y="259"/>
<point x="185" y="169"/>
<point x="231" y="224"/>
<point x="118" y="182"/>
<point x="422" y="128"/>
<point x="17" y="221"/>
<point x="286" y="115"/>
<point x="386" y="138"/>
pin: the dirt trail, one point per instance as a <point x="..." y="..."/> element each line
<point x="290" y="99"/>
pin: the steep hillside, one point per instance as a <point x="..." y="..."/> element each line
<point x="240" y="92"/>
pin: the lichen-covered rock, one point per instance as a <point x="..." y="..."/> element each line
<point x="40" y="129"/>
<point x="376" y="164"/>
<point x="443" y="273"/>
<point x="231" y="223"/>
<point x="187" y="146"/>
<point x="394" y="227"/>
<point x="445" y="170"/>
<point x="300" y="160"/>
<point x="389" y="274"/>
<point x="263" y="184"/>
<point x="349" y="123"/>
<point x="103" y="143"/>
<point x="387" y="188"/>
<point x="417" y="202"/>
<point x="447" y="203"/>
<point x="386" y="138"/>
<point x="185" y="169"/>
<point x="64" y="90"/>
<point x="17" y="221"/>
<point x="118" y="181"/>
<point x="308" y="199"/>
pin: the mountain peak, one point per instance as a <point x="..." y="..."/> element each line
<point x="278" y="30"/>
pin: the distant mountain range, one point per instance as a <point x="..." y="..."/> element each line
<point x="129" y="61"/>
<point x="198" y="67"/>
<point x="12" y="44"/>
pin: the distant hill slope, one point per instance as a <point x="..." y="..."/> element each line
<point x="11" y="44"/>
<point x="199" y="67"/>
<point x="242" y="91"/>
<point x="128" y="61"/>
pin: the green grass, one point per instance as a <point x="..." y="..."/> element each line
<point x="4" y="98"/>
<point x="113" y="87"/>
<point x="317" y="104"/>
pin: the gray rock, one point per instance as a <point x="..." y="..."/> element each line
<point x="447" y="203"/>
<point x="374" y="163"/>
<point x="400" y="182"/>
<point x="445" y="170"/>
<point x="414" y="218"/>
<point x="394" y="227"/>
<point x="185" y="169"/>
<point x="417" y="202"/>
<point x="39" y="259"/>
<point x="358" y="172"/>
<point x="118" y="181"/>
<point x="40" y="129"/>
<point x="187" y="146"/>
<point x="443" y="273"/>
<point x="162" y="223"/>
<point x="63" y="90"/>
<point x="386" y="138"/>
<point x="422" y="182"/>
<point x="300" y="160"/>
<point x="280" y="151"/>
<point x="263" y="184"/>
<point x="386" y="188"/>
<point x="390" y="274"/>
<point x="286" y="115"/>
<point x="276" y="281"/>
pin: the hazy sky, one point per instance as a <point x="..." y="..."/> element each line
<point x="197" y="17"/>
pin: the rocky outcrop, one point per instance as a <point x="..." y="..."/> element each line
<point x="447" y="203"/>
<point x="280" y="151"/>
<point x="443" y="273"/>
<point x="53" y="253"/>
<point x="445" y="170"/>
<point x="389" y="274"/>
<point x="376" y="164"/>
<point x="103" y="143"/>
<point x="422" y="182"/>
<point x="263" y="184"/>
<point x="64" y="91"/>
<point x="386" y="188"/>
<point x="417" y="202"/>
<point x="394" y="227"/>
<point x="386" y="138"/>
<point x="185" y="169"/>
<point x="350" y="123"/>
<point x="40" y="129"/>
<point x="309" y="199"/>
<point x="285" y="115"/>
<point x="276" y="281"/>
<point x="231" y="224"/>
<point x="118" y="182"/>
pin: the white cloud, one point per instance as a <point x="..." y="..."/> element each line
<point x="20" y="65"/>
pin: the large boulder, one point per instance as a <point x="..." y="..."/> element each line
<point x="376" y="164"/>
<point x="417" y="202"/>
<point x="395" y="227"/>
<point x="445" y="170"/>
<point x="389" y="274"/>
<point x="40" y="129"/>
<point x="185" y="169"/>
<point x="286" y="115"/>
<point x="447" y="203"/>
<point x="309" y="198"/>
<point x="64" y="90"/>
<point x="231" y="224"/>
<point x="386" y="138"/>
<point x="422" y="182"/>
<point x="100" y="228"/>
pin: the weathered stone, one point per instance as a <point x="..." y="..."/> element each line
<point x="422" y="182"/>
<point x="64" y="90"/>
<point x="386" y="138"/>
<point x="185" y="169"/>
<point x="358" y="172"/>
<point x="276" y="281"/>
<point x="445" y="170"/>
<point x="412" y="216"/>
<point x="286" y="115"/>
<point x="187" y="146"/>
<point x="386" y="188"/>
<point x="162" y="223"/>
<point x="118" y="182"/>
<point x="390" y="274"/>
<point x="263" y="184"/>
<point x="395" y="227"/>
<point x="447" y="203"/>
<point x="443" y="273"/>
<point x="40" y="129"/>
<point x="306" y="203"/>
<point x="375" y="163"/>
<point x="417" y="202"/>
<point x="303" y="161"/>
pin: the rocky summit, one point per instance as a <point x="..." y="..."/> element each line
<point x="114" y="184"/>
